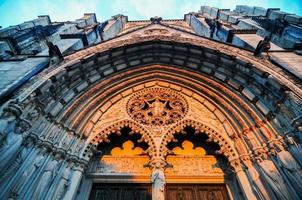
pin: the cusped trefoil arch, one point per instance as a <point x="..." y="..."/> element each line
<point x="101" y="135"/>
<point x="226" y="147"/>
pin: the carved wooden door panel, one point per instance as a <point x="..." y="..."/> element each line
<point x="196" y="192"/>
<point x="120" y="192"/>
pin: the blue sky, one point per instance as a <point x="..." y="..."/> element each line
<point x="14" y="12"/>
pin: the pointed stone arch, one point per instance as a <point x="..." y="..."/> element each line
<point x="248" y="91"/>
<point x="227" y="148"/>
<point x="102" y="135"/>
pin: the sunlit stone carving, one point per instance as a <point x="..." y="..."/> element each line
<point x="157" y="106"/>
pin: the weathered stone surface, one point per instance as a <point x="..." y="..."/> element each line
<point x="293" y="19"/>
<point x="259" y="11"/>
<point x="274" y="14"/>
<point x="153" y="83"/>
<point x="289" y="61"/>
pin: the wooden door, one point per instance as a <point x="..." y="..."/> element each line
<point x="173" y="192"/>
<point x="196" y="192"/>
<point x="121" y="192"/>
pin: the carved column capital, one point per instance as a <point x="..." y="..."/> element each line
<point x="157" y="163"/>
<point x="246" y="160"/>
<point x="236" y="165"/>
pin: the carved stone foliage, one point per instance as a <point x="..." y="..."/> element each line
<point x="157" y="106"/>
<point x="181" y="165"/>
<point x="122" y="165"/>
<point x="193" y="165"/>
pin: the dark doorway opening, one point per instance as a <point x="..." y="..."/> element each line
<point x="118" y="191"/>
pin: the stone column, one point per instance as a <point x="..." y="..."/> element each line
<point x="245" y="185"/>
<point x="74" y="182"/>
<point x="243" y="181"/>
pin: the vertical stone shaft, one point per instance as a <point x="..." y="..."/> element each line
<point x="245" y="185"/>
<point x="74" y="183"/>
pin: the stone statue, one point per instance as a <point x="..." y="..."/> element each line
<point x="157" y="107"/>
<point x="7" y="124"/>
<point x="30" y="171"/>
<point x="18" y="161"/>
<point x="291" y="169"/>
<point x="9" y="113"/>
<point x="295" y="148"/>
<point x="250" y="139"/>
<point x="12" y="143"/>
<point x="47" y="176"/>
<point x="257" y="185"/>
<point x="63" y="184"/>
<point x="274" y="180"/>
<point x="158" y="183"/>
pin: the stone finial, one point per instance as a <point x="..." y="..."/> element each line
<point x="155" y="20"/>
<point x="54" y="53"/>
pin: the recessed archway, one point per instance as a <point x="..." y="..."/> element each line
<point x="243" y="103"/>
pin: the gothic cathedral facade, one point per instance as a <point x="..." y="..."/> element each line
<point x="205" y="107"/>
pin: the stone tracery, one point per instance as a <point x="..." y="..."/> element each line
<point x="157" y="107"/>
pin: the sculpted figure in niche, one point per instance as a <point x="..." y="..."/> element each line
<point x="47" y="176"/>
<point x="158" y="183"/>
<point x="250" y="139"/>
<point x="67" y="139"/>
<point x="157" y="107"/>
<point x="291" y="168"/>
<point x="12" y="143"/>
<point x="79" y="147"/>
<point x="63" y="184"/>
<point x="274" y="179"/>
<point x="30" y="171"/>
<point x="52" y="136"/>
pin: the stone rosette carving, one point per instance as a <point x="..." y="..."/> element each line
<point x="157" y="107"/>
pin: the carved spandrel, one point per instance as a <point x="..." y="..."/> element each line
<point x="110" y="115"/>
<point x="200" y="113"/>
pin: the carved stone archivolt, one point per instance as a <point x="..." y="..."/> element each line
<point x="157" y="107"/>
<point x="156" y="31"/>
<point x="228" y="113"/>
